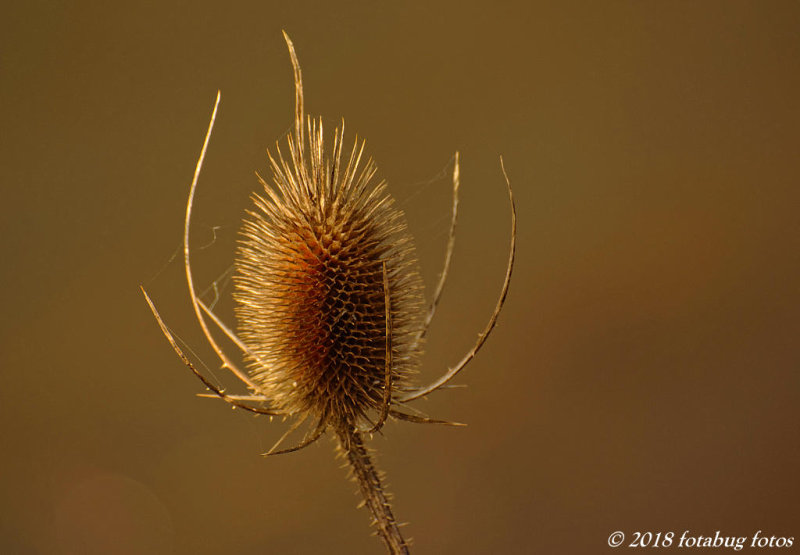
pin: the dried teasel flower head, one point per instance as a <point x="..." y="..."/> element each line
<point x="310" y="291"/>
<point x="329" y="301"/>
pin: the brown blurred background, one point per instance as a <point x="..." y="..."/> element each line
<point x="644" y="373"/>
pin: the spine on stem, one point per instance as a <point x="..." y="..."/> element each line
<point x="369" y="482"/>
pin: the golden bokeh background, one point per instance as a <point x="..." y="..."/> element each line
<point x="643" y="376"/>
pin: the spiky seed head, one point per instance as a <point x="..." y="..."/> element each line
<point x="309" y="281"/>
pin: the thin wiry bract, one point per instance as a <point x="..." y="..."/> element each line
<point x="309" y="283"/>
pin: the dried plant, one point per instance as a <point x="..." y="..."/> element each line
<point x="329" y="301"/>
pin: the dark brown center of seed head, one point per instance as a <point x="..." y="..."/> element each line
<point x="334" y="320"/>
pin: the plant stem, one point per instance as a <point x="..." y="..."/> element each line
<point x="369" y="482"/>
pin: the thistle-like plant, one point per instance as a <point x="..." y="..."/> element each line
<point x="329" y="301"/>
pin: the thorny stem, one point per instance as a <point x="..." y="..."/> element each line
<point x="369" y="482"/>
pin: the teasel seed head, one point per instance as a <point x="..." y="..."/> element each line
<point x="310" y="288"/>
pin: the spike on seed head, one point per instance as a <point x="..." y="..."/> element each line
<point x="309" y="283"/>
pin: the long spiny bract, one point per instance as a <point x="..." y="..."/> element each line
<point x="309" y="284"/>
